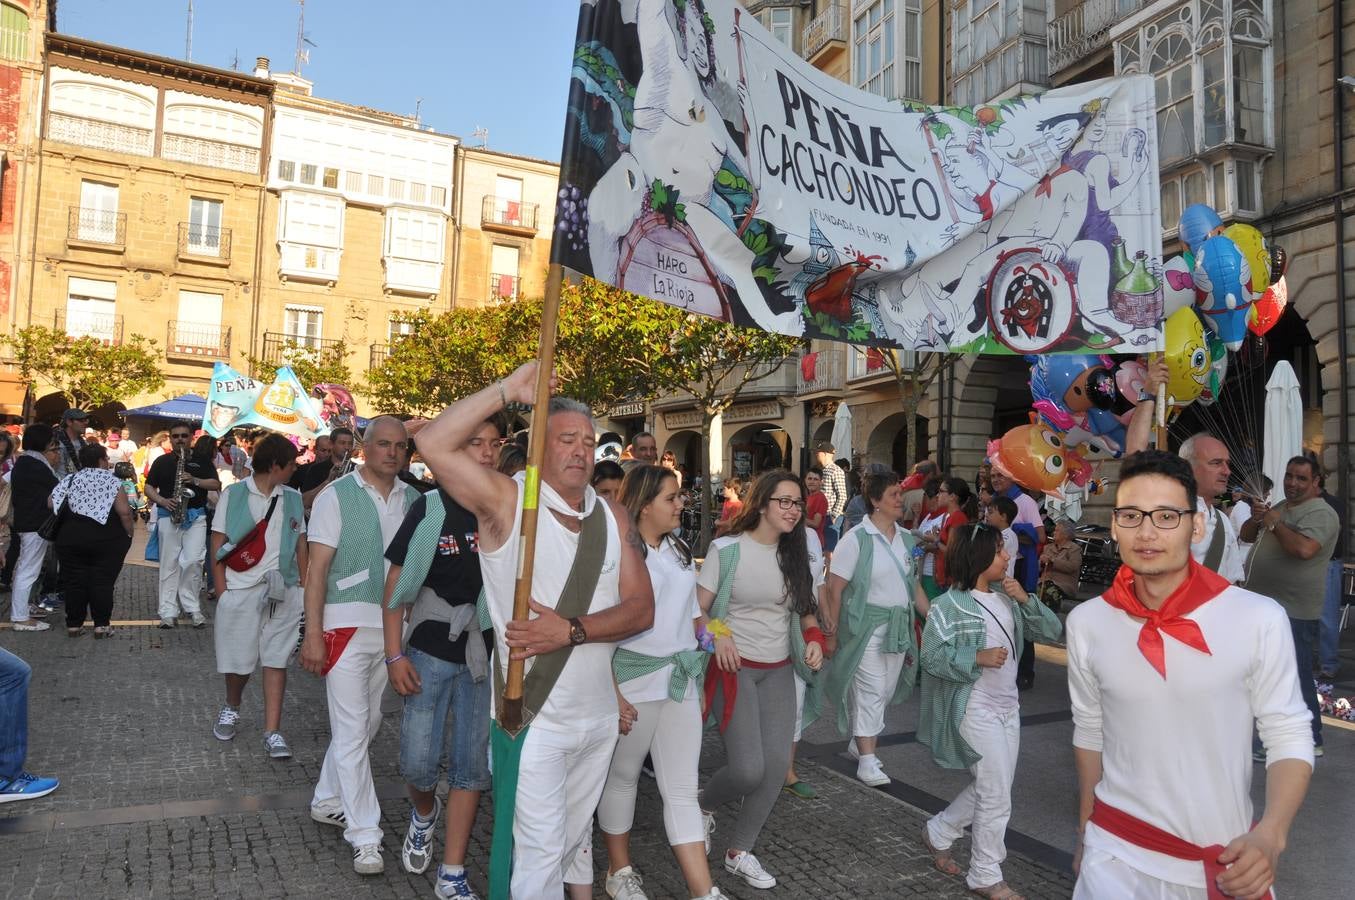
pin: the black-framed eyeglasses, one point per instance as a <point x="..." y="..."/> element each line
<point x="1164" y="517"/>
<point x="788" y="502"/>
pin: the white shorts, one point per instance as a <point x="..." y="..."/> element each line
<point x="251" y="631"/>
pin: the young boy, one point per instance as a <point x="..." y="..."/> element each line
<point x="816" y="502"/>
<point x="1001" y="512"/>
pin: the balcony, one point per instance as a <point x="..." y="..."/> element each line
<point x="511" y="216"/>
<point x="504" y="287"/>
<point x="198" y="340"/>
<point x="96" y="229"/>
<point x="281" y="349"/>
<point x="826" y="34"/>
<point x="825" y="373"/>
<point x="203" y="243"/>
<point x="1085" y="29"/>
<point x="14" y="43"/>
<point x="213" y="154"/>
<point x="106" y="328"/>
<point x="412" y="276"/>
<point x="308" y="262"/>
<point x="379" y="354"/>
<point x="100" y="135"/>
<point x="774" y="379"/>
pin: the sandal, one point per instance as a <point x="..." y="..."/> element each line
<point x="75" y="632"/>
<point x="942" y="861"/>
<point x="999" y="891"/>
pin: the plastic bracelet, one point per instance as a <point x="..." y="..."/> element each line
<point x="705" y="640"/>
<point x="396" y="658"/>
<point x="718" y="628"/>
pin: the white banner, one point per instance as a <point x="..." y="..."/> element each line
<point x="709" y="167"/>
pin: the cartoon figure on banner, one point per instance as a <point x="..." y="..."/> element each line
<point x="1076" y="396"/>
<point x="1221" y="271"/>
<point x="1035" y="457"/>
<point x="336" y="405"/>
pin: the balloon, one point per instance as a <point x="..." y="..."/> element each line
<point x="1279" y="262"/>
<point x="1075" y="395"/>
<point x="1035" y="457"/>
<point x="1267" y="311"/>
<point x="1198" y="223"/>
<point x="1186" y="355"/>
<point x="1254" y="250"/>
<point x="1178" y="284"/>
<point x="1221" y="271"/>
<point x="1129" y="378"/>
<point x="1218" y="371"/>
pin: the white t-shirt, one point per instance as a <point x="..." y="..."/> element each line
<point x="325" y="524"/>
<point x="1027" y="511"/>
<point x="1176" y="752"/>
<point x="1011" y="545"/>
<point x="758" y="608"/>
<point x="996" y="688"/>
<point x="1231" y="565"/>
<point x="675" y="609"/>
<point x="816" y="568"/>
<point x="887" y="587"/>
<point x="258" y="508"/>
<point x="930" y="525"/>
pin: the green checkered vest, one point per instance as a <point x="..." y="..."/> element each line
<point x="361" y="545"/>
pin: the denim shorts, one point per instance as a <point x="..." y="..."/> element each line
<point x="447" y="692"/>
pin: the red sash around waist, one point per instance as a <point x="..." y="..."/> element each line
<point x="718" y="680"/>
<point x="1150" y="837"/>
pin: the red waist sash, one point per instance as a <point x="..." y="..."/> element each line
<point x="718" y="680"/>
<point x="1150" y="837"/>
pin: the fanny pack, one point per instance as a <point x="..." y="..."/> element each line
<point x="247" y="552"/>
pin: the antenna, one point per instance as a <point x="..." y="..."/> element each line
<point x="303" y="56"/>
<point x="235" y="61"/>
<point x="482" y="135"/>
<point x="188" y="41"/>
<point x="418" y="104"/>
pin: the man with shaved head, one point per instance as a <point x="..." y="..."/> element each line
<point x="352" y="520"/>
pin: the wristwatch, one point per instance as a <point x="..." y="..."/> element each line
<point x="576" y="633"/>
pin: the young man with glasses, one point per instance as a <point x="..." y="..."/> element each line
<point x="183" y="544"/>
<point x="1168" y="672"/>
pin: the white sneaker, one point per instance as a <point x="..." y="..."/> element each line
<point x="32" y="625"/>
<point x="714" y="893"/>
<point x="708" y="827"/>
<point x="416" y="853"/>
<point x="746" y="866"/>
<point x="367" y="860"/>
<point x="276" y="746"/>
<point x="328" y="816"/>
<point x="625" y="884"/>
<point x="869" y="771"/>
<point x="851" y="749"/>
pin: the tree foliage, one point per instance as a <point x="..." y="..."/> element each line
<point x="88" y="371"/>
<point x="914" y="374"/>
<point x="326" y="365"/>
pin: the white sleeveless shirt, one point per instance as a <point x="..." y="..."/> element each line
<point x="584" y="697"/>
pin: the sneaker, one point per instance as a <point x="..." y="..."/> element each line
<point x="713" y="895"/>
<point x="453" y="886"/>
<point x="1317" y="750"/>
<point x="329" y="816"/>
<point x="166" y="624"/>
<point x="870" y="772"/>
<point x="276" y="745"/>
<point x="367" y="860"/>
<point x="1259" y="756"/>
<point x="32" y="625"/>
<point x="224" y="730"/>
<point x="851" y="749"/>
<point x="199" y="620"/>
<point x="26" y="786"/>
<point x="415" y="855"/>
<point x="707" y="827"/>
<point x="625" y="884"/>
<point x="52" y="600"/>
<point x="746" y="866"/>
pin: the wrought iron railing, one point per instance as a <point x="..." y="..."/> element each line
<point x="197" y="239"/>
<point x="97" y="226"/>
<point x="829" y="25"/>
<point x="821" y="370"/>
<point x="504" y="287"/>
<point x="379" y="354"/>
<point x="198" y="340"/>
<point x="1084" y="29"/>
<point x="103" y="327"/>
<point x="279" y="347"/>
<point x="508" y="213"/>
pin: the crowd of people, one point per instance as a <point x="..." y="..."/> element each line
<point x="865" y="588"/>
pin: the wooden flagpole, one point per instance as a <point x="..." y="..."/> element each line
<point x="1160" y="412"/>
<point x="510" y="711"/>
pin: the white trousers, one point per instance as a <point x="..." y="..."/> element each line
<point x="873" y="685"/>
<point x="182" y="551"/>
<point x="353" y="688"/>
<point x="671" y="733"/>
<point x="1103" y="875"/>
<point x="560" y="778"/>
<point x="27" y="571"/>
<point x="985" y="804"/>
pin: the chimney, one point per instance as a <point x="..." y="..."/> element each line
<point x="261" y="67"/>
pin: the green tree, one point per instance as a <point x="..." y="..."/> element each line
<point x="327" y="365"/>
<point x="88" y="371"/>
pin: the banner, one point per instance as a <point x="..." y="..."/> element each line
<point x="235" y="400"/>
<point x="337" y="408"/>
<point x="707" y="166"/>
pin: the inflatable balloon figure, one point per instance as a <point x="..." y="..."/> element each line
<point x="1253" y="247"/>
<point x="1218" y="371"/>
<point x="1186" y="353"/>
<point x="1035" y="457"/>
<point x="1075" y="395"/>
<point x="1198" y="223"/>
<point x="1178" y="289"/>
<point x="1222" y="272"/>
<point x="1267" y="311"/>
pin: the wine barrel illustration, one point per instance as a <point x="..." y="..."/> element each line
<point x="664" y="261"/>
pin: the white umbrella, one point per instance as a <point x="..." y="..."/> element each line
<point x="842" y="432"/>
<point x="1284" y="423"/>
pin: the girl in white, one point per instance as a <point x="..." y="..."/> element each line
<point x="658" y="673"/>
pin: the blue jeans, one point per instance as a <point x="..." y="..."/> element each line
<point x="14" y="677"/>
<point x="1305" y="640"/>
<point x="446" y="687"/>
<point x="1328" y="654"/>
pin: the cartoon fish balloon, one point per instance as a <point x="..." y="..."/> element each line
<point x="1035" y="457"/>
<point x="1222" y="272"/>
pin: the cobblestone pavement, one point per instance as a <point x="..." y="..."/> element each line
<point x="152" y="806"/>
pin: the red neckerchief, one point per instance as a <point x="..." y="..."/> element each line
<point x="985" y="201"/>
<point x="1046" y="186"/>
<point x="1201" y="586"/>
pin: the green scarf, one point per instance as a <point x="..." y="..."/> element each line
<point x="689" y="667"/>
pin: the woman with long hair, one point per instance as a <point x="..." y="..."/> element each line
<point x="872" y="600"/>
<point x="96" y="532"/>
<point x="657" y="674"/>
<point x="958" y="506"/>
<point x="971" y="714"/>
<point x="758" y="589"/>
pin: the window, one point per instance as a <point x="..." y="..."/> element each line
<point x="503" y="272"/>
<point x="417" y="192"/>
<point x="778" y="21"/>
<point x="997" y="45"/>
<point x="98" y="218"/>
<point x="331" y="178"/>
<point x="353" y="182"/>
<point x="13" y="32"/>
<point x="398" y="328"/>
<point x="411" y="234"/>
<point x="303" y="325"/>
<point x="397" y="189"/>
<point x="199" y="324"/>
<point x="1170" y="64"/>
<point x="874" y="37"/>
<point x="308" y="173"/>
<point x="286" y="170"/>
<point x="438" y="196"/>
<point x="376" y="185"/>
<point x="508" y="201"/>
<point x="312" y="219"/>
<point x="204" y="226"/>
<point x="91" y="309"/>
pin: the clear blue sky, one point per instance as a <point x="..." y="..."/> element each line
<point x="500" y="64"/>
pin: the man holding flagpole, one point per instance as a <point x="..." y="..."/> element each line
<point x="590" y="588"/>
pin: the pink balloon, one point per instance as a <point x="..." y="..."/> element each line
<point x="1129" y="378"/>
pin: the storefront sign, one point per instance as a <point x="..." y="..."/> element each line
<point x="626" y="410"/>
<point x="739" y="412"/>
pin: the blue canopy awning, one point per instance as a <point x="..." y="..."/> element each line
<point x="184" y="408"/>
